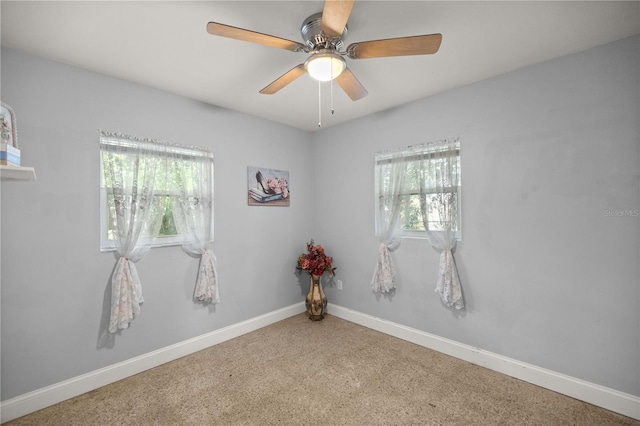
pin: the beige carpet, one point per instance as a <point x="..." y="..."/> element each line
<point x="333" y="372"/>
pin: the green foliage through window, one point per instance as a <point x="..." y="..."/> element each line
<point x="423" y="191"/>
<point x="174" y="169"/>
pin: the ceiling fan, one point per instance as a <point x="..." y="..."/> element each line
<point x="324" y="34"/>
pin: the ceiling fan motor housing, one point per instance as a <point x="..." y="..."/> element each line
<point x="314" y="37"/>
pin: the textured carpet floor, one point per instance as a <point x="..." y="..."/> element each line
<point x="332" y="372"/>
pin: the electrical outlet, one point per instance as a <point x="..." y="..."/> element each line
<point x="339" y="284"/>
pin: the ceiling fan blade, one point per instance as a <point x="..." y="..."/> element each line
<point x="334" y="16"/>
<point x="223" y="30"/>
<point x="402" y="46"/>
<point x="351" y="85"/>
<point x="283" y="80"/>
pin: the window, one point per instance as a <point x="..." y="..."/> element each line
<point x="430" y="187"/>
<point x="168" y="167"/>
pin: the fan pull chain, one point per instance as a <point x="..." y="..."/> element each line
<point x="319" y="105"/>
<point x="332" y="110"/>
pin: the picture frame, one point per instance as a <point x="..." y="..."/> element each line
<point x="268" y="187"/>
<point x="9" y="130"/>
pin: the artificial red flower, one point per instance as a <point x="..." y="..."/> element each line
<point x="315" y="261"/>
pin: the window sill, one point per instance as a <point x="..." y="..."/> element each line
<point x="421" y="235"/>
<point x="168" y="242"/>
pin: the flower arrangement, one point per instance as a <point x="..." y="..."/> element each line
<point x="278" y="186"/>
<point x="315" y="261"/>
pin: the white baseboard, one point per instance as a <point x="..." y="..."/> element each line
<point x="610" y="399"/>
<point x="44" y="397"/>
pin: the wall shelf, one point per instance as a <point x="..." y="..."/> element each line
<point x="17" y="173"/>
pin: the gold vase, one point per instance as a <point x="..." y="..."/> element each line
<point x="316" y="301"/>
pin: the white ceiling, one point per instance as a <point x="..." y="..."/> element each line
<point x="164" y="44"/>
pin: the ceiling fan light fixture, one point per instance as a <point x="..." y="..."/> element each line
<point x="325" y="66"/>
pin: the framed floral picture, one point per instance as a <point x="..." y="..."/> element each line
<point x="9" y="132"/>
<point x="267" y="187"/>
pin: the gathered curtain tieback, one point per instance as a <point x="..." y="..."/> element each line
<point x="383" y="280"/>
<point x="207" y="283"/>
<point x="126" y="295"/>
<point x="448" y="284"/>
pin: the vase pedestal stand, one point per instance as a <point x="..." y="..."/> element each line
<point x="316" y="301"/>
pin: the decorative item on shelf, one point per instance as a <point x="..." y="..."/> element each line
<point x="315" y="262"/>
<point x="9" y="152"/>
<point x="10" y="168"/>
<point x="9" y="155"/>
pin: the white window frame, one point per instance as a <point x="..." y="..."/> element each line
<point x="107" y="244"/>
<point x="420" y="233"/>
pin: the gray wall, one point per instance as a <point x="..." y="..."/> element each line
<point x="55" y="292"/>
<point x="549" y="153"/>
<point x="549" y="278"/>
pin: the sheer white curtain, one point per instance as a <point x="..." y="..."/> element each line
<point x="192" y="173"/>
<point x="129" y="168"/>
<point x="389" y="188"/>
<point x="439" y="180"/>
